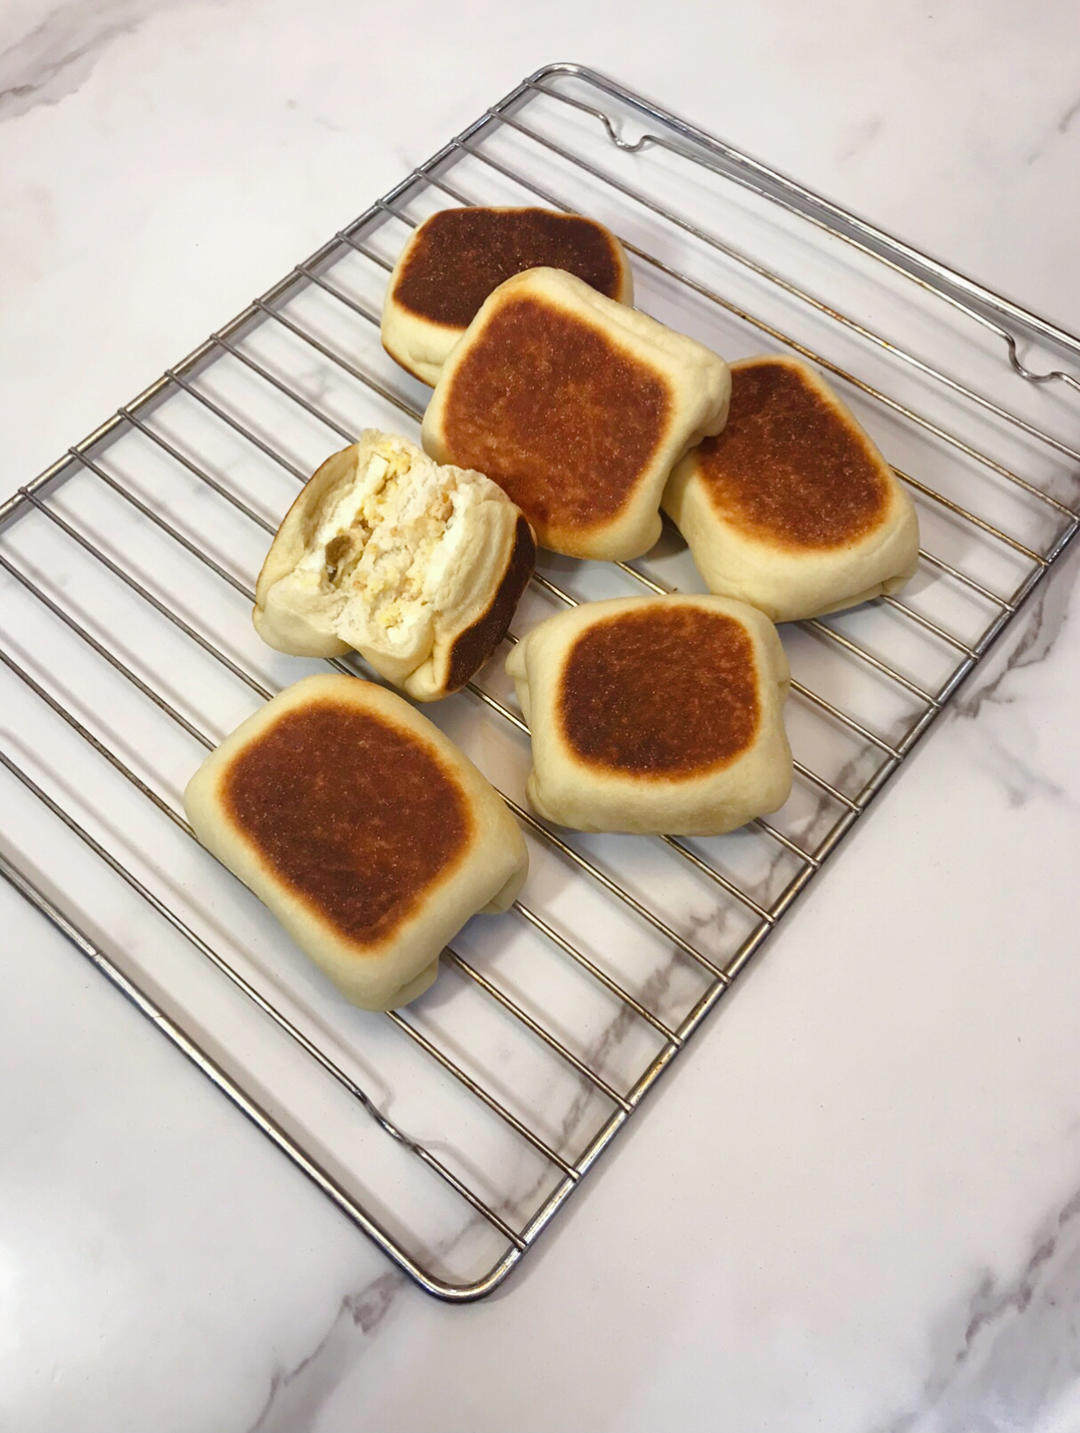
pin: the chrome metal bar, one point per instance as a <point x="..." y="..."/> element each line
<point x="275" y="306"/>
<point x="839" y="640"/>
<point x="472" y="687"/>
<point x="253" y="438"/>
<point x="277" y="383"/>
<point x="243" y="431"/>
<point x="595" y="971"/>
<point x="342" y="363"/>
<point x="581" y="861"/>
<point x="927" y="273"/>
<point x="216" y="959"/>
<point x="969" y="582"/>
<point x="99" y="746"/>
<point x="960" y="511"/>
<point x="200" y="473"/>
<point x="178" y="537"/>
<point x="485" y="1098"/>
<point x="103" y="652"/>
<point x="321" y="281"/>
<point x="208" y="743"/>
<point x="829" y="311"/>
<point x="528" y="819"/>
<point x="925" y="623"/>
<point x="714" y="875"/>
<point x="199" y="1057"/>
<point x="140" y="591"/>
<point x="805" y="352"/>
<point x="910" y="414"/>
<point x="370" y="253"/>
<point x="792" y="846"/>
<point x="500" y="996"/>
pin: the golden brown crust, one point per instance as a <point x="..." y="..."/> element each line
<point x="660" y="693"/>
<point x="476" y="644"/>
<point x="461" y="255"/>
<point x="788" y="469"/>
<point x="358" y="818"/>
<point x="569" y="438"/>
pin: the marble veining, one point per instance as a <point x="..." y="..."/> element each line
<point x="986" y="1363"/>
<point x="159" y="1266"/>
<point x="863" y="135"/>
<point x="53" y="59"/>
<point x="1030" y="643"/>
<point x="361" y="1312"/>
<point x="1009" y="1352"/>
<point x="295" y="1395"/>
<point x="1068" y="116"/>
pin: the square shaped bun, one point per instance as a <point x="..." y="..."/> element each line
<point x="792" y="507"/>
<point x="417" y="567"/>
<point x="364" y="830"/>
<point x="455" y="258"/>
<point x="578" y="407"/>
<point x="655" y="714"/>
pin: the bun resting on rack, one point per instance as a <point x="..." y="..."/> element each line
<point x="456" y="257"/>
<point x="364" y="830"/>
<point x="578" y="407"/>
<point x="792" y="507"/>
<point x="655" y="714"/>
<point x="417" y="567"/>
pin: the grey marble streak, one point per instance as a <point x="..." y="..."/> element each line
<point x="1008" y="1351"/>
<point x="295" y="1395"/>
<point x="53" y="60"/>
<point x="989" y="1364"/>
<point x="1062" y="123"/>
<point x="1068" y="116"/>
<point x="1030" y="641"/>
<point x="863" y="135"/>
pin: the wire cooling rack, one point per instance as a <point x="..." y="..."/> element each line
<point x="453" y="1132"/>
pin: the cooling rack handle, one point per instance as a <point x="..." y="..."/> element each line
<point x="962" y="293"/>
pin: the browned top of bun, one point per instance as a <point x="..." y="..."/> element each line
<point x="476" y="644"/>
<point x="790" y="468"/>
<point x="664" y="692"/>
<point x="559" y="416"/>
<point x="358" y="818"/>
<point x="460" y="255"/>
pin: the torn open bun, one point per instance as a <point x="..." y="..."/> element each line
<point x="416" y="566"/>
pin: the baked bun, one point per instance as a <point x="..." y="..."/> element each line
<point x="655" y="714"/>
<point x="416" y="567"/>
<point x="792" y="508"/>
<point x="456" y="257"/>
<point x="579" y="407"/>
<point x="364" y="830"/>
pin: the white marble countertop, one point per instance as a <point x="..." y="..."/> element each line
<point x="856" y="1204"/>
